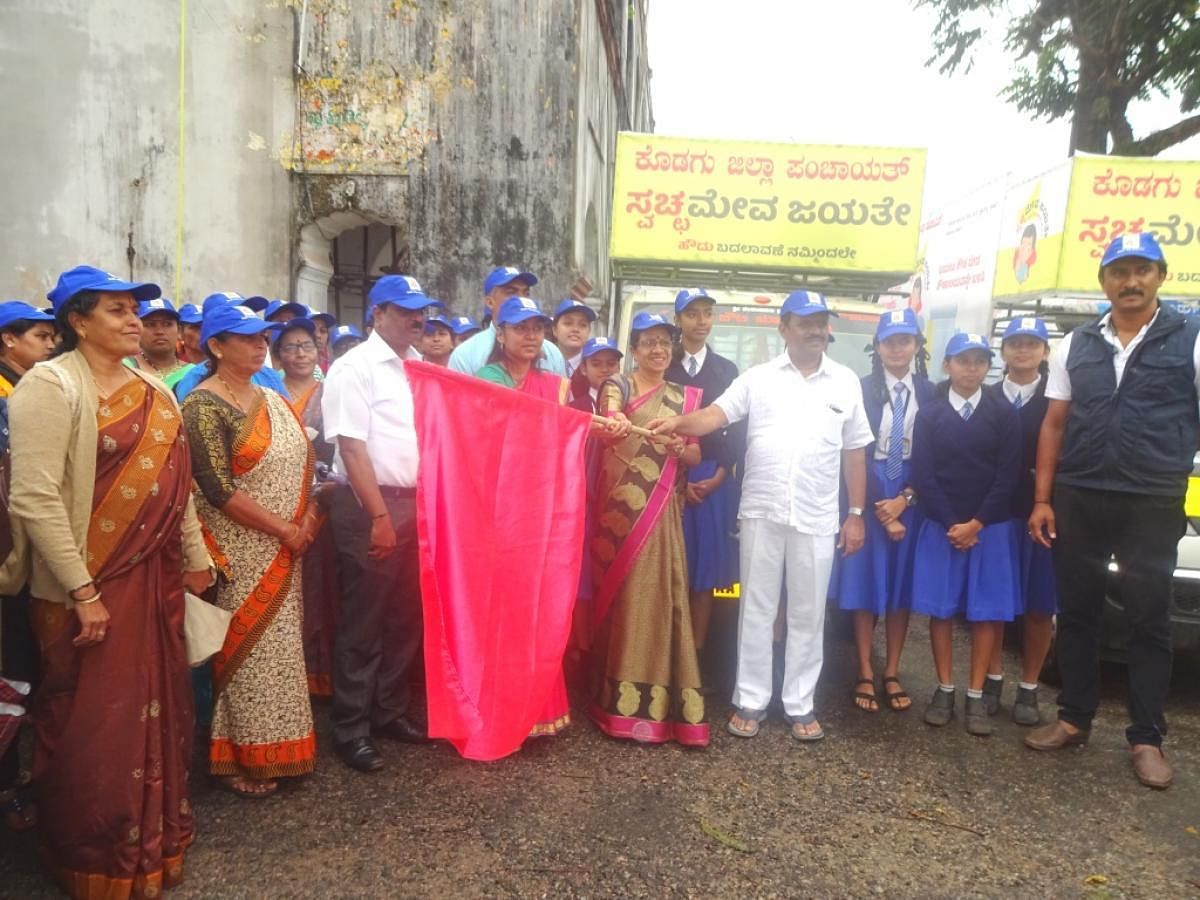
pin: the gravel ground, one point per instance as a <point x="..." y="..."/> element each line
<point x="884" y="806"/>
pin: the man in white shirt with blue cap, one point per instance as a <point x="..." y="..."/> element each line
<point x="501" y="283"/>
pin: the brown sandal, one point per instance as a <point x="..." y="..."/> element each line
<point x="872" y="697"/>
<point x="894" y="697"/>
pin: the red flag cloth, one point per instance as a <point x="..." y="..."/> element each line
<point x="501" y="494"/>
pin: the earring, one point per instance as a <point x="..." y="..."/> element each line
<point x="220" y="356"/>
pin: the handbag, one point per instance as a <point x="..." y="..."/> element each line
<point x="204" y="629"/>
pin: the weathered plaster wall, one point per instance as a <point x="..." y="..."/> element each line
<point x="90" y="90"/>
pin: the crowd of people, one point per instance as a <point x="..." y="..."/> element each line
<point x="256" y="456"/>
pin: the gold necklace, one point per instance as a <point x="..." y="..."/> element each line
<point x="232" y="395"/>
<point x="157" y="371"/>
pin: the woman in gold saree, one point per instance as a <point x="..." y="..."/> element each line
<point x="253" y="467"/>
<point x="646" y="675"/>
<point x="106" y="537"/>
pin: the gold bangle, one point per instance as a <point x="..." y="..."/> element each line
<point x="92" y="599"/>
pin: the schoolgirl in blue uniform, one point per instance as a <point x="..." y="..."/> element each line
<point x="877" y="581"/>
<point x="1024" y="349"/>
<point x="966" y="461"/>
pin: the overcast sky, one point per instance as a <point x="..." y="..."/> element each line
<point x="850" y="72"/>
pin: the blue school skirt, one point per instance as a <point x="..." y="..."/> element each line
<point x="878" y="577"/>
<point x="981" y="584"/>
<point x="712" y="554"/>
<point x="1038" y="591"/>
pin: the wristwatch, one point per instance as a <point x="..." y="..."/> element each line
<point x="854" y="511"/>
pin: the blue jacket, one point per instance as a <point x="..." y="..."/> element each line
<point x="874" y="389"/>
<point x="726" y="445"/>
<point x="264" y="377"/>
<point x="1030" y="416"/>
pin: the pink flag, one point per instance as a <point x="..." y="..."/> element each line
<point x="500" y="507"/>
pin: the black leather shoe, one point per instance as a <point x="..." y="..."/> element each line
<point x="403" y="729"/>
<point x="359" y="754"/>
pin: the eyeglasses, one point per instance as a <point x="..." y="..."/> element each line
<point x="301" y="347"/>
<point x="654" y="345"/>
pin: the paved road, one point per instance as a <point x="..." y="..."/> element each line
<point x="885" y="806"/>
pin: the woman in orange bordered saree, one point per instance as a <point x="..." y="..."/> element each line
<point x="646" y="673"/>
<point x="106" y="537"/>
<point x="253" y="467"/>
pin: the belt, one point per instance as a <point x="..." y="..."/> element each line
<point x="397" y="493"/>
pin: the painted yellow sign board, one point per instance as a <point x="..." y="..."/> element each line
<point x="766" y="205"/>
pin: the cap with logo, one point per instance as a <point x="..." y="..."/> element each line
<point x="805" y="303"/>
<point x="898" y="321"/>
<point x="342" y="332"/>
<point x="462" y="324"/>
<point x="277" y="306"/>
<point x="20" y="311"/>
<point x="228" y="318"/>
<point x="686" y="298"/>
<point x="1027" y="325"/>
<point x="329" y="319"/>
<point x="1141" y="244"/>
<point x="433" y="321"/>
<point x="403" y="291"/>
<point x="515" y="310"/>
<point x="190" y="314"/>
<point x="644" y="320"/>
<point x="503" y="275"/>
<point x="570" y="304"/>
<point x="157" y="305"/>
<point x="599" y="344"/>
<point x="302" y="322"/>
<point x="89" y="278"/>
<point x="226" y="298"/>
<point x="967" y="340"/>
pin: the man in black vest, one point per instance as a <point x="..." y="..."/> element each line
<point x="1114" y="456"/>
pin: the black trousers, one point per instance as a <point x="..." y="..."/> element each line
<point x="1142" y="533"/>
<point x="18" y="661"/>
<point x="379" y="618"/>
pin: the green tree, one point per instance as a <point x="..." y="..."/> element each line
<point x="1085" y="59"/>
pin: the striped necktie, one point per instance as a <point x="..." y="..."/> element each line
<point x="1018" y="402"/>
<point x="692" y="368"/>
<point x="966" y="411"/>
<point x="895" y="454"/>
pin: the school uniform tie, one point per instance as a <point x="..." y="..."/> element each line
<point x="1017" y="402"/>
<point x="692" y="368"/>
<point x="895" y="454"/>
<point x="965" y="412"/>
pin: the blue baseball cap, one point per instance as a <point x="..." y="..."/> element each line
<point x="89" y="278"/>
<point x="304" y="323"/>
<point x="329" y="319"/>
<point x="686" y="298"/>
<point x="438" y="320"/>
<point x="256" y="303"/>
<point x="227" y="318"/>
<point x="597" y="344"/>
<point x="964" y="341"/>
<point x="403" y="291"/>
<point x="571" y="303"/>
<point x="898" y="321"/>
<point x="506" y="275"/>
<point x="644" y="320"/>
<point x="277" y="306"/>
<point x="189" y="314"/>
<point x="20" y="311"/>
<point x="805" y="303"/>
<point x="224" y="298"/>
<point x="515" y="310"/>
<point x="1028" y="325"/>
<point x="462" y="324"/>
<point x="1141" y="244"/>
<point x="342" y="332"/>
<point x="157" y="305"/>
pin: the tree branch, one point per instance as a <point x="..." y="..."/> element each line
<point x="1154" y="144"/>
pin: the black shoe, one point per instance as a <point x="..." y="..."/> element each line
<point x="359" y="754"/>
<point x="976" y="717"/>
<point x="941" y="708"/>
<point x="403" y="729"/>
<point x="1025" y="710"/>
<point x="992" y="689"/>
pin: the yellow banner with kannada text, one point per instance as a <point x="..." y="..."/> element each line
<point x="766" y="205"/>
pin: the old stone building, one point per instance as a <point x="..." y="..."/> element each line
<point x="304" y="147"/>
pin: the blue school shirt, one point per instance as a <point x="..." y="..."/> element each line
<point x="966" y="469"/>
<point x="264" y="377"/>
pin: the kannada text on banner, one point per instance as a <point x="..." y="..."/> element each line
<point x="1114" y="195"/>
<point x="766" y="205"/>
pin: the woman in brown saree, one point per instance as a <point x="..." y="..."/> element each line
<point x="647" y="677"/>
<point x="106" y="535"/>
<point x="254" y="469"/>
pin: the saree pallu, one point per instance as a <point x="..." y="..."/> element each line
<point x="262" y="723"/>
<point x="646" y="680"/>
<point x="114" y="721"/>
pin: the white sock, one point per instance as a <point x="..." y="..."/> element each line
<point x="1029" y="687"/>
<point x="975" y="695"/>
<point x="992" y="677"/>
<point x="948" y="688"/>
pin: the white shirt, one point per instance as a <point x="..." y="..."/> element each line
<point x="884" y="440"/>
<point x="699" y="357"/>
<point x="573" y="363"/>
<point x="1012" y="390"/>
<point x="1058" y="382"/>
<point x="367" y="397"/>
<point x="797" y="429"/>
<point x="958" y="401"/>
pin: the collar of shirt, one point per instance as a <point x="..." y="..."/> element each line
<point x="958" y="401"/>
<point x="376" y="349"/>
<point x="699" y="356"/>
<point x="784" y="361"/>
<point x="573" y="362"/>
<point x="891" y="381"/>
<point x="1012" y="390"/>
<point x="1106" y="328"/>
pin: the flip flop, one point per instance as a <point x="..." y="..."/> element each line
<point x="754" y="718"/>
<point x="895" y="695"/>
<point x="863" y="695"/>
<point x="804" y="737"/>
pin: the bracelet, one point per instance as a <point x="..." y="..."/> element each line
<point x="1036" y="502"/>
<point x="71" y="593"/>
<point x="92" y="599"/>
<point x="295" y="533"/>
